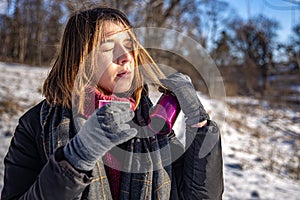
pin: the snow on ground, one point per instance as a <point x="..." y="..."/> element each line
<point x="261" y="144"/>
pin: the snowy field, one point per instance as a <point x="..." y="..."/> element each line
<point x="261" y="145"/>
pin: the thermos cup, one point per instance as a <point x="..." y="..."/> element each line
<point x="164" y="114"/>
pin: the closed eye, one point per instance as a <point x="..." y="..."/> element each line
<point x="107" y="46"/>
<point x="128" y="44"/>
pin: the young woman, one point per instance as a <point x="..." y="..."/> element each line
<point x="67" y="148"/>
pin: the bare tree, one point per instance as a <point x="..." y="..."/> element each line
<point x="294" y="47"/>
<point x="33" y="27"/>
<point x="255" y="40"/>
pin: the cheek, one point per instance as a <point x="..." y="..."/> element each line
<point x="105" y="77"/>
<point x="102" y="67"/>
<point x="103" y="60"/>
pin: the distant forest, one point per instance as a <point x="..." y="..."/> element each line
<point x="246" y="51"/>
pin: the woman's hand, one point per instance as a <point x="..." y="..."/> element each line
<point x="190" y="104"/>
<point x="106" y="128"/>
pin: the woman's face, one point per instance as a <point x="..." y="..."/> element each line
<point x="115" y="60"/>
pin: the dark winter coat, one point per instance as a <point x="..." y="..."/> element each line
<point x="30" y="174"/>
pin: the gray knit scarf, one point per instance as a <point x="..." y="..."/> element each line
<point x="58" y="127"/>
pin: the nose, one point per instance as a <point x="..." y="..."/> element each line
<point x="122" y="55"/>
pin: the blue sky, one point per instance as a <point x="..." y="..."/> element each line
<point x="2" y="6"/>
<point x="279" y="10"/>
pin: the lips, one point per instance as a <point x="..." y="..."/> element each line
<point x="124" y="74"/>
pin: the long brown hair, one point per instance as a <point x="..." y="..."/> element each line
<point x="72" y="71"/>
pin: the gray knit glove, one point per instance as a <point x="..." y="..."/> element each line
<point x="189" y="102"/>
<point x="106" y="128"/>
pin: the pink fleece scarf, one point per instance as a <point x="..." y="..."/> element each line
<point x="92" y="97"/>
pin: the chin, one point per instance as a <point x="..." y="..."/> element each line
<point x="121" y="90"/>
<point x="122" y="87"/>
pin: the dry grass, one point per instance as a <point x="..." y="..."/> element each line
<point x="273" y="157"/>
<point x="9" y="105"/>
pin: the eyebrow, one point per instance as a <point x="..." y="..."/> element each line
<point x="112" y="41"/>
<point x="108" y="41"/>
